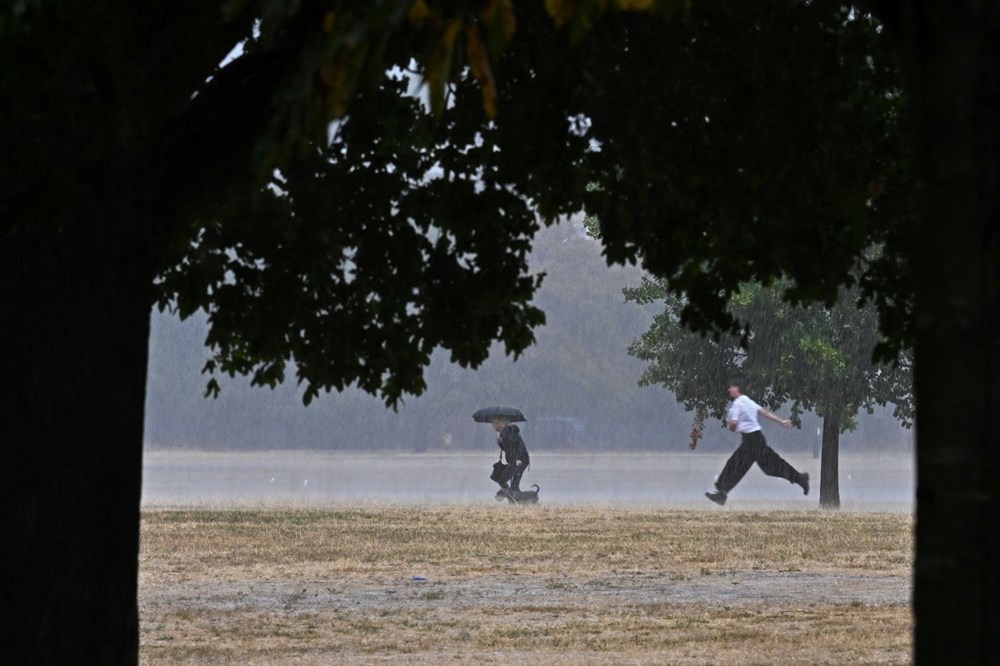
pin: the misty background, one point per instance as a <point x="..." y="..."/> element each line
<point x="576" y="386"/>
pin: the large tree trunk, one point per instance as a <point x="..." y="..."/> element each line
<point x="952" y="58"/>
<point x="829" y="485"/>
<point x="79" y="249"/>
<point x="75" y="313"/>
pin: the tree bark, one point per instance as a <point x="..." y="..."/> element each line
<point x="75" y="312"/>
<point x="829" y="485"/>
<point x="79" y="248"/>
<point x="951" y="60"/>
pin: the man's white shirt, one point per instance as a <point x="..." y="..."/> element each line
<point x="744" y="412"/>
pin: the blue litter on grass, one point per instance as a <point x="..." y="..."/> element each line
<point x="417" y="578"/>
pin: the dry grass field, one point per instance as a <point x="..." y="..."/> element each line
<point x="496" y="584"/>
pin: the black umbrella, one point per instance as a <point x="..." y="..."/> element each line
<point x="491" y="414"/>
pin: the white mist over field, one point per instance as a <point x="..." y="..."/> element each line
<point x="248" y="479"/>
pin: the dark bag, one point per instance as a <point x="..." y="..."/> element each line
<point x="499" y="472"/>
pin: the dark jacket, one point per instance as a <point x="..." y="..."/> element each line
<point x="512" y="445"/>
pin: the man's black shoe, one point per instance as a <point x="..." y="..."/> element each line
<point x="804" y="482"/>
<point x="717" y="496"/>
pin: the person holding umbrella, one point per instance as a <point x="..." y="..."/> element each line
<point x="511" y="445"/>
<point x="514" y="451"/>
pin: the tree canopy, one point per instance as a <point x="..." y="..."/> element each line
<point x="406" y="226"/>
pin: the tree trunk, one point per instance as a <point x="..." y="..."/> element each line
<point x="829" y="475"/>
<point x="951" y="59"/>
<point x="75" y="312"/>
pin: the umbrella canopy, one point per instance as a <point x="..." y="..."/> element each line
<point x="491" y="414"/>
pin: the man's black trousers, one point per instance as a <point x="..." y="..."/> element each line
<point x="753" y="448"/>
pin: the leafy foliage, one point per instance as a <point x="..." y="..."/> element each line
<point x="578" y="367"/>
<point x="408" y="228"/>
<point x="355" y="249"/>
<point x="756" y="194"/>
<point x="768" y="146"/>
<point x="357" y="261"/>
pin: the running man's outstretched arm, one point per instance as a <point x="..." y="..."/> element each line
<point x="784" y="423"/>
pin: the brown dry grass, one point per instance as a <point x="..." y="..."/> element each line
<point x="550" y="585"/>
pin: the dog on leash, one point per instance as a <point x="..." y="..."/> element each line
<point x="519" y="496"/>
